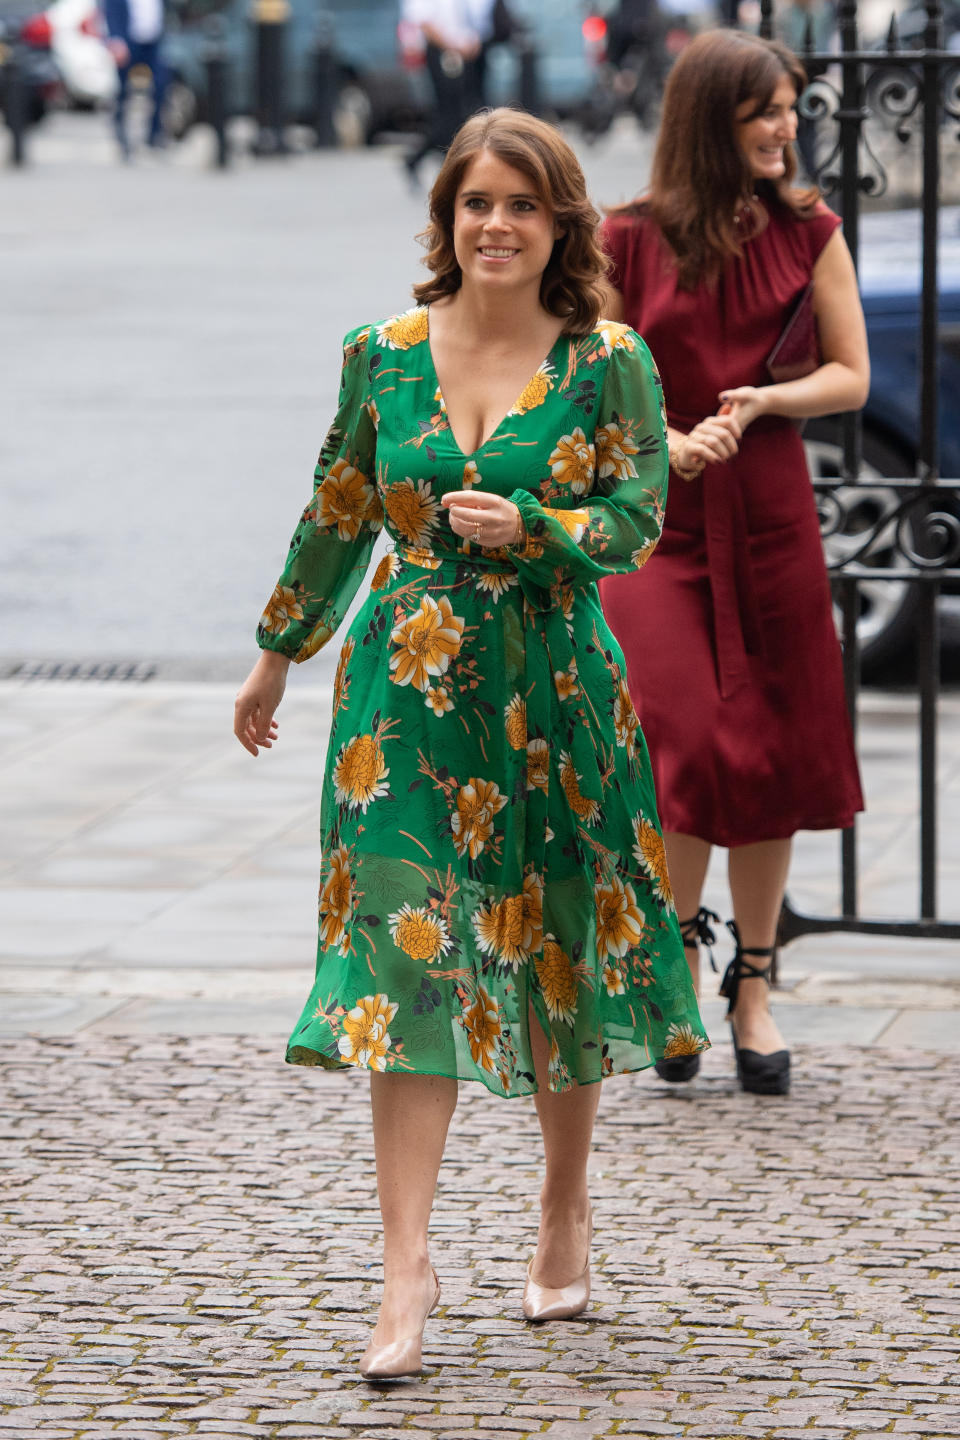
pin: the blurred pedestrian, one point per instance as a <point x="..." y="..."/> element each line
<point x="733" y="656"/>
<point x="494" y="904"/>
<point x="455" y="35"/>
<point x="135" y="37"/>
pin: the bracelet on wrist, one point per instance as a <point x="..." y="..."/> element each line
<point x="519" y="540"/>
<point x="686" y="472"/>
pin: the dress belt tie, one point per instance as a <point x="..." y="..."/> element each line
<point x="548" y="650"/>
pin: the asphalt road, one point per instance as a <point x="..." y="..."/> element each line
<point x="169" y="367"/>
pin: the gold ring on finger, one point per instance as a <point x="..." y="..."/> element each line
<point x="477" y="531"/>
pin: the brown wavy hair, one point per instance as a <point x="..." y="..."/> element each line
<point x="700" y="176"/>
<point x="572" y="283"/>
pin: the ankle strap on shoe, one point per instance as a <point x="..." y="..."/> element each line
<point x="698" y="930"/>
<point x="741" y="969"/>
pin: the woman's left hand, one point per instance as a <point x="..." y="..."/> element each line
<point x="746" y="403"/>
<point x="498" y="519"/>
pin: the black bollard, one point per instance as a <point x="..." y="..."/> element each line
<point x="216" y="64"/>
<point x="271" y="18"/>
<point x="324" y="82"/>
<point x="15" y="105"/>
<point x="529" y="89"/>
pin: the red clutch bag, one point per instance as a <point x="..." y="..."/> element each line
<point x="797" y="351"/>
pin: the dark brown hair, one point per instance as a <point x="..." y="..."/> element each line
<point x="572" y="283"/>
<point x="700" y="176"/>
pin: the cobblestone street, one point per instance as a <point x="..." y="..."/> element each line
<point x="193" y="1232"/>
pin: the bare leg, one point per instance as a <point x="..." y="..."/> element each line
<point x="566" y="1122"/>
<point x="687" y="861"/>
<point x="411" y="1115"/>
<point x="758" y="878"/>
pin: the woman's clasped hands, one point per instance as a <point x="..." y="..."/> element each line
<point x="717" y="438"/>
<point x="482" y="518"/>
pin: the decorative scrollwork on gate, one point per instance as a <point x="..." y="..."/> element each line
<point x="906" y="529"/>
<point x="894" y="93"/>
<point x="821" y="101"/>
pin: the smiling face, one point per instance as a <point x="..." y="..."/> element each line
<point x="503" y="232"/>
<point x="764" y="137"/>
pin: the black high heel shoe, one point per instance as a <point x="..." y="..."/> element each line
<point x="695" y="931"/>
<point x="758" y="1074"/>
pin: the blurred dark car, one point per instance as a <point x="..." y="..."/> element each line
<point x="890" y="286"/>
<point x="382" y="86"/>
<point x="25" y="42"/>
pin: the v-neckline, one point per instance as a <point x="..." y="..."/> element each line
<point x="469" y="454"/>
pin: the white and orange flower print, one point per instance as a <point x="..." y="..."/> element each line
<point x="365" y="1039"/>
<point x="360" y="773"/>
<point x="282" y="607"/>
<point x="620" y="924"/>
<point x="614" y="448"/>
<point x="639" y="558"/>
<point x="426" y="642"/>
<point x="515" y="722"/>
<point x="586" y="810"/>
<point x="625" y="722"/>
<point x="471" y="474"/>
<point x="402" y="332"/>
<point x="346" y="499"/>
<point x="650" y="854"/>
<point x="538" y="764"/>
<point x="613" y="980"/>
<point x="336" y="902"/>
<point x="511" y="930"/>
<point x="413" y="510"/>
<point x="496" y="582"/>
<point x="535" y="391"/>
<point x="558" y="981"/>
<point x="566" y="681"/>
<point x="614" y="336"/>
<point x="438" y="699"/>
<point x="571" y="463"/>
<point x="385" y="571"/>
<point x="420" y="932"/>
<point x="682" y="1041"/>
<point x="481" y="1020"/>
<point x="341" y="682"/>
<point x="472" y="822"/>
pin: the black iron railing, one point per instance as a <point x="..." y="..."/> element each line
<point x="910" y="91"/>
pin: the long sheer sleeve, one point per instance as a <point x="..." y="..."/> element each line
<point x="617" y="526"/>
<point x="333" y="542"/>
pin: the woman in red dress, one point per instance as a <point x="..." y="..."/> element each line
<point x="733" y="659"/>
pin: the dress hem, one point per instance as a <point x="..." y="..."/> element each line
<point x="730" y="841"/>
<point x="324" y="1062"/>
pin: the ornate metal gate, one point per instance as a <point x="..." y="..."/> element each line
<point x="914" y="90"/>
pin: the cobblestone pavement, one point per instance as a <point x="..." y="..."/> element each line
<point x="190" y="1239"/>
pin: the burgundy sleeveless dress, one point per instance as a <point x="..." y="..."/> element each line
<point x="732" y="656"/>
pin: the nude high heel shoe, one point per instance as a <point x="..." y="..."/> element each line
<point x="400" y="1357"/>
<point x="540" y="1302"/>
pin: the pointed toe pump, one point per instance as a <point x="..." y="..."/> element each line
<point x="698" y="930"/>
<point x="400" y="1357"/>
<point x="758" y="1074"/>
<point x="543" y="1302"/>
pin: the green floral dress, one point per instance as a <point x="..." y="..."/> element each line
<point x="490" y="836"/>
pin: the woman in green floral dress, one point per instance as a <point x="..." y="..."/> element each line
<point x="494" y="902"/>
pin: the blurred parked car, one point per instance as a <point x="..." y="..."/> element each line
<point x="25" y="43"/>
<point x="890" y="286"/>
<point x="381" y="85"/>
<point x="86" y="66"/>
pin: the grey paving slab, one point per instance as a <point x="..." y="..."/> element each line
<point x="937" y="1030"/>
<point x="195" y="1017"/>
<point x="44" y="1013"/>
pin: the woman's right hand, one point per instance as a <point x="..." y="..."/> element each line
<point x="714" y="440"/>
<point x="257" y="702"/>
